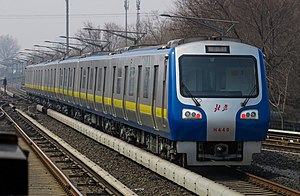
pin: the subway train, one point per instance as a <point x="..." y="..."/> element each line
<point x="196" y="102"/>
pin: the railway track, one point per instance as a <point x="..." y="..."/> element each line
<point x="68" y="162"/>
<point x="243" y="183"/>
<point x="287" y="141"/>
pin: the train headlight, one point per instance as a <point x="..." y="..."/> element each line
<point x="189" y="114"/>
<point x="249" y="115"/>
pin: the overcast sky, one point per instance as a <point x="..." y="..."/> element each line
<point x="34" y="21"/>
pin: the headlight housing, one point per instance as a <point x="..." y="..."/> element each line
<point x="190" y="114"/>
<point x="249" y="115"/>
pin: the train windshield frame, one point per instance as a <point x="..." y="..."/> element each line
<point x="218" y="76"/>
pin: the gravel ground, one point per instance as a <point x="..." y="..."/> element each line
<point x="5" y="126"/>
<point x="280" y="167"/>
<point x="136" y="177"/>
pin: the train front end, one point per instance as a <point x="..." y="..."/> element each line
<point x="219" y="112"/>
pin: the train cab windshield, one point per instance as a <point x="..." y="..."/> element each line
<point x="218" y="76"/>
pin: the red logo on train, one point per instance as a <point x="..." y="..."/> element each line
<point x="218" y="108"/>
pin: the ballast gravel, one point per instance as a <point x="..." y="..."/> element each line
<point x="139" y="179"/>
<point x="281" y="168"/>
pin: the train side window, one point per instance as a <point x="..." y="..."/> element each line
<point x="73" y="80"/>
<point x="83" y="78"/>
<point x="146" y="82"/>
<point x="41" y="79"/>
<point x="131" y="81"/>
<point x="37" y="78"/>
<point x="65" y="78"/>
<point x="34" y="78"/>
<point x="87" y="79"/>
<point x="60" y="77"/>
<point x="45" y="78"/>
<point x="91" y="82"/>
<point x="99" y="80"/>
<point x="104" y="78"/>
<point x="95" y="81"/>
<point x="80" y="81"/>
<point x="51" y="78"/>
<point x="119" y="80"/>
<point x="70" y="78"/>
<point x="48" y="79"/>
<point x="54" y="79"/>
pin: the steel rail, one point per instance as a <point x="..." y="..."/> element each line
<point x="284" y="145"/>
<point x="271" y="185"/>
<point x="107" y="182"/>
<point x="283" y="140"/>
<point x="67" y="185"/>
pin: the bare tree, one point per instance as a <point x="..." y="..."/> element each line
<point x="90" y="39"/>
<point x="8" y="47"/>
<point x="272" y="25"/>
<point x="159" y="30"/>
<point x="113" y="42"/>
<point x="100" y="40"/>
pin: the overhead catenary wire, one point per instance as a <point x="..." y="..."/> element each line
<point x="39" y="16"/>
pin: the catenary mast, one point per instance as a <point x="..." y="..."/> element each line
<point x="138" y="8"/>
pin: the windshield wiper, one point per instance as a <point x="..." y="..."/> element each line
<point x="244" y="103"/>
<point x="190" y="94"/>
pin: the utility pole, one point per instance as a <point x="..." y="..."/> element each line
<point x="67" y="26"/>
<point x="138" y="8"/>
<point x="126" y="6"/>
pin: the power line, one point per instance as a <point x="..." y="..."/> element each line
<point x="72" y="15"/>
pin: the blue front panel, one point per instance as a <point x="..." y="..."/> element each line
<point x="255" y="130"/>
<point x="182" y="130"/>
<point x="196" y="130"/>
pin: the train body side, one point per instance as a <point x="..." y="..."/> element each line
<point x="110" y="86"/>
